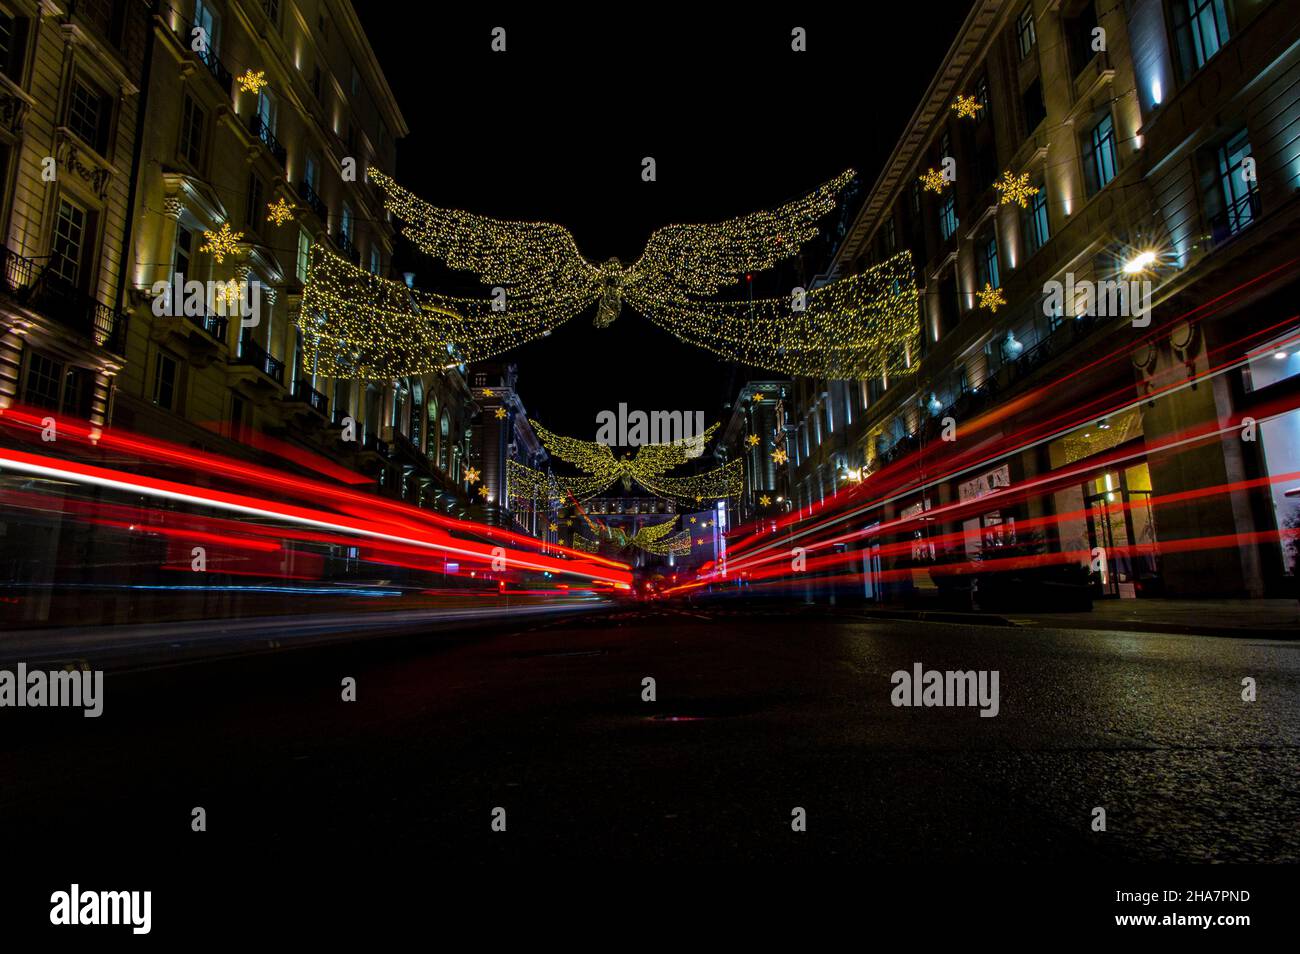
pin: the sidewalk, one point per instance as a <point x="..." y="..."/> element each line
<point x="1256" y="619"/>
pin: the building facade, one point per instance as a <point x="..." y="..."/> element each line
<point x="71" y="96"/>
<point x="265" y="117"/>
<point x="1160" y="140"/>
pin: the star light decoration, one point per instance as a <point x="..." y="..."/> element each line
<point x="483" y="491"/>
<point x="488" y="392"/>
<point x="752" y="440"/>
<point x="356" y="324"/>
<point x="966" y="106"/>
<point x="501" y="414"/>
<point x="471" y="475"/>
<point x="252" y="82"/>
<point x="779" y="456"/>
<point x="1015" y="189"/>
<point x="991" y="298"/>
<point x="764" y="501"/>
<point x="221" y="243"/>
<point x="933" y="180"/>
<point x="554" y="526"/>
<point x="279" y="211"/>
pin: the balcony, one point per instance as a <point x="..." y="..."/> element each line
<point x="262" y="131"/>
<point x="253" y="355"/>
<point x="346" y="248"/>
<point x="1228" y="223"/>
<point x="304" y="393"/>
<point x="313" y="201"/>
<point x="40" y="289"/>
<point x="218" y="71"/>
<point x="214" y="325"/>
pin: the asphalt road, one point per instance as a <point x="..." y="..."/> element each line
<point x="755" y="715"/>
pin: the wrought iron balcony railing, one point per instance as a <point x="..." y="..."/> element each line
<point x="254" y="355"/>
<point x="214" y="325"/>
<point x="306" y="394"/>
<point x="258" y="127"/>
<point x="42" y="290"/>
<point x="314" y="202"/>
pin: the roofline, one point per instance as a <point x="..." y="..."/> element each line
<point x="970" y="40"/>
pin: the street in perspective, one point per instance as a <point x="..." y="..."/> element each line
<point x="436" y="443"/>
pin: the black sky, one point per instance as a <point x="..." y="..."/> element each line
<point x="555" y="129"/>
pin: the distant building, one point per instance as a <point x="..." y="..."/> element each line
<point x="500" y="433"/>
<point x="759" y="424"/>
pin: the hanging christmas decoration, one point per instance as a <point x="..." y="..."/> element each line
<point x="252" y="81"/>
<point x="991" y="298"/>
<point x="966" y="106"/>
<point x="1015" y="189"/>
<point x="933" y="180"/>
<point x="356" y="324"/>
<point x="221" y="243"/>
<point x="279" y="211"/>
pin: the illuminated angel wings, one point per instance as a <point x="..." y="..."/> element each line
<point x="357" y="324"/>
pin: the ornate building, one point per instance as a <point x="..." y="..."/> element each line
<point x="71" y="82"/>
<point x="1157" y="139"/>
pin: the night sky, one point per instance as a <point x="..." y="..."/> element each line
<point x="555" y="129"/>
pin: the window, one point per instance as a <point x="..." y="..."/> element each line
<point x="1035" y="110"/>
<point x="444" y="444"/>
<point x="184" y="251"/>
<point x="44" y="377"/>
<point x="986" y="261"/>
<point x="304" y="254"/>
<point x="1201" y="29"/>
<point x="89" y="114"/>
<point x="1036" y="225"/>
<point x="166" y="378"/>
<point x="311" y="175"/>
<point x="982" y="98"/>
<point x="890" y="239"/>
<point x="345" y="223"/>
<point x="67" y="256"/>
<point x="945" y="145"/>
<point x="316" y="82"/>
<point x="266" y="111"/>
<point x="1078" y="36"/>
<point x="916" y="198"/>
<point x="1099" y="155"/>
<point x="272" y="8"/>
<point x="13" y="33"/>
<point x="948" y="216"/>
<point x="1240" y="194"/>
<point x="1025" y="35"/>
<point x="374" y="259"/>
<point x="193" y="120"/>
<point x="253" y="209"/>
<point x="207" y="19"/>
<point x="78" y="391"/>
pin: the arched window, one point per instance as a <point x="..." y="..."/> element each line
<point x="444" y="443"/>
<point x="431" y="448"/>
<point x="417" y="415"/>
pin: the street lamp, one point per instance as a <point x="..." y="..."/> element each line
<point x="1140" y="263"/>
